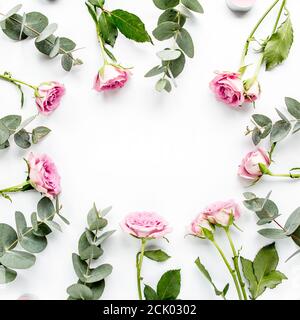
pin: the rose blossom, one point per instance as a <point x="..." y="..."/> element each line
<point x="48" y="96"/>
<point x="145" y="225"/>
<point x="197" y="225"/>
<point x="249" y="168"/>
<point x="43" y="175"/>
<point x="110" y="78"/>
<point x="219" y="212"/>
<point x="228" y="88"/>
<point x="252" y="94"/>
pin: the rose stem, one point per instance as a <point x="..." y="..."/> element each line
<point x="17" y="188"/>
<point x="231" y="271"/>
<point x="139" y="262"/>
<point x="9" y="79"/>
<point x="236" y="262"/>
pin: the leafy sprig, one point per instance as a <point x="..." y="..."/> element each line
<point x="36" y="25"/>
<point x="33" y="239"/>
<point x="110" y="23"/>
<point x="91" y="283"/>
<point x="171" y="25"/>
<point x="268" y="212"/>
<point x="12" y="125"/>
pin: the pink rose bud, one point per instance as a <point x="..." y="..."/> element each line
<point x="221" y="212"/>
<point x="27" y="297"/>
<point x="197" y="225"/>
<point x="253" y="93"/>
<point x="110" y="78"/>
<point x="146" y="225"/>
<point x="228" y="88"/>
<point x="249" y="168"/>
<point x="240" y="5"/>
<point x="48" y="96"/>
<point x="43" y="175"/>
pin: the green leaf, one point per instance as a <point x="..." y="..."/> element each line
<point x="296" y="237"/>
<point x="261" y="120"/>
<point x="36" y="22"/>
<point x="7" y="275"/>
<point x="293" y="222"/>
<point x="67" y="62"/>
<point x="173" y="16"/>
<point x="104" y="236"/>
<point x="34" y="221"/>
<point x="166" y="4"/>
<point x="161" y="84"/>
<point x="55" y="50"/>
<point x="280" y="130"/>
<point x="4" y="145"/>
<point x="92" y="11"/>
<point x="256" y="136"/>
<point x="108" y="30"/>
<point x="157" y="255"/>
<point x="12" y="11"/>
<point x="293" y="107"/>
<point x="67" y="44"/>
<point x="278" y="46"/>
<point x="86" y="250"/>
<point x="42" y="231"/>
<point x="150" y="293"/>
<point x="11" y="122"/>
<point x="95" y="222"/>
<point x="4" y="133"/>
<point x="99" y="273"/>
<point x="47" y="32"/>
<point x="177" y="66"/>
<point x="22" y="139"/>
<point x="39" y="133"/>
<point x="80" y="267"/>
<point x="155" y="71"/>
<point x="206" y="274"/>
<point x="296" y="127"/>
<point x="8" y="238"/>
<point x="80" y="292"/>
<point x="45" y="209"/>
<point x="97" y="289"/>
<point x="193" y="5"/>
<point x="18" y="260"/>
<point x="165" y="30"/>
<point x="46" y="46"/>
<point x="168" y="287"/>
<point x="20" y="222"/>
<point x="53" y="225"/>
<point x="13" y="28"/>
<point x="32" y="243"/>
<point x="248" y="271"/>
<point x="130" y="26"/>
<point x="274" y="234"/>
<point x="185" y="42"/>
<point x="168" y="54"/>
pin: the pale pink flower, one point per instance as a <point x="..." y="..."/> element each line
<point x="43" y="175"/>
<point x="197" y="225"/>
<point x="146" y="225"/>
<point x="48" y="96"/>
<point x="249" y="168"/>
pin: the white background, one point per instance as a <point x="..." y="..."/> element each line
<point x="136" y="149"/>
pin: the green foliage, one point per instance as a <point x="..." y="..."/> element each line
<point x="267" y="211"/>
<point x="157" y="255"/>
<point x="12" y="125"/>
<point x="170" y="25"/>
<point x="279" y="130"/>
<point x="36" y="25"/>
<point x="32" y="239"/>
<point x="261" y="273"/>
<point x="91" y="281"/>
<point x="168" y="287"/>
<point x="206" y="274"/>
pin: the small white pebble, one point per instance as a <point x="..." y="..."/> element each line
<point x="240" y="5"/>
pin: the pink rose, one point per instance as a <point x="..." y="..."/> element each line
<point x="145" y="225"/>
<point x="43" y="175"/>
<point x="249" y="168"/>
<point x="228" y="88"/>
<point x="48" y="96"/>
<point x="219" y="212"/>
<point x="197" y="225"/>
<point x="253" y="93"/>
<point x="110" y="78"/>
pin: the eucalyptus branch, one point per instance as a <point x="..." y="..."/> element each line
<point x="170" y="25"/>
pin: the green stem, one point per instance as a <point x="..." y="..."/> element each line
<point x="250" y="37"/>
<point x="15" y="81"/>
<point x="231" y="271"/>
<point x="139" y="263"/>
<point x="284" y="175"/>
<point x="20" y="187"/>
<point x="236" y="263"/>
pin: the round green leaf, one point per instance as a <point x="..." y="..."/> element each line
<point x="99" y="273"/>
<point x="7" y="275"/>
<point x="45" y="209"/>
<point x="13" y="27"/>
<point x="193" y="5"/>
<point x="67" y="44"/>
<point x="165" y="30"/>
<point x="39" y="133"/>
<point x="166" y="4"/>
<point x="47" y="32"/>
<point x="4" y="133"/>
<point x="22" y="139"/>
<point x="18" y="260"/>
<point x="173" y="16"/>
<point x="67" y="62"/>
<point x="12" y="122"/>
<point x="185" y="42"/>
<point x="46" y="46"/>
<point x="8" y="238"/>
<point x="177" y="66"/>
<point x="80" y="292"/>
<point x="36" y="22"/>
<point x="33" y="243"/>
<point x="168" y="54"/>
<point x="20" y="222"/>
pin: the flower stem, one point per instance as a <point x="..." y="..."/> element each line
<point x="16" y="81"/>
<point x="231" y="271"/>
<point x="236" y="263"/>
<point x="139" y="263"/>
<point x="284" y="175"/>
<point x="20" y="187"/>
<point x="250" y="37"/>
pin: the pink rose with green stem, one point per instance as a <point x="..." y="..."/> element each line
<point x="144" y="226"/>
<point x="42" y="176"/>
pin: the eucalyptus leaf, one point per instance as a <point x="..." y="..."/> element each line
<point x="11" y="122"/>
<point x="273" y="234"/>
<point x="280" y="130"/>
<point x="293" y="107"/>
<point x="55" y="50"/>
<point x="293" y="222"/>
<point x="20" y="222"/>
<point x="36" y="22"/>
<point x="168" y="54"/>
<point x="185" y="42"/>
<point x="99" y="273"/>
<point x="177" y="66"/>
<point x="17" y="259"/>
<point x="165" y="30"/>
<point x="7" y="275"/>
<point x="193" y="5"/>
<point x="104" y="236"/>
<point x="13" y="28"/>
<point x="173" y="16"/>
<point x="4" y="133"/>
<point x="155" y="71"/>
<point x="22" y="139"/>
<point x="47" y="32"/>
<point x="8" y="238"/>
<point x="80" y="292"/>
<point x="166" y="4"/>
<point x="67" y="62"/>
<point x="32" y="243"/>
<point x="39" y="133"/>
<point x="45" y="209"/>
